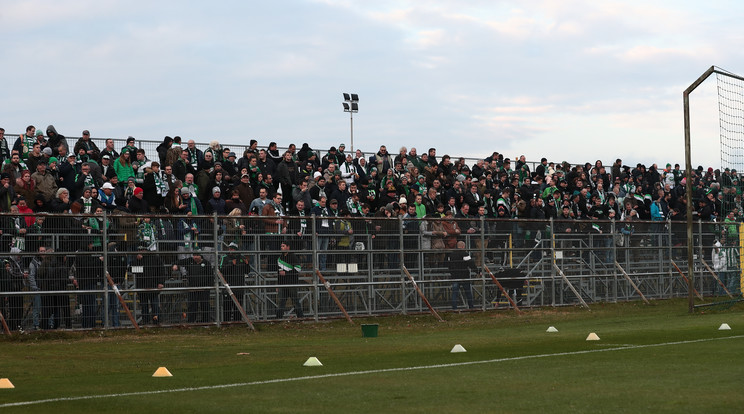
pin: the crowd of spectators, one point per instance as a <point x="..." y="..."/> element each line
<point x="49" y="173"/>
<point x="38" y="168"/>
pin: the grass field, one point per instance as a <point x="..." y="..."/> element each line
<point x="650" y="358"/>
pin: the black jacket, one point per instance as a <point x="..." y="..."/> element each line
<point x="198" y="274"/>
<point x="460" y="264"/>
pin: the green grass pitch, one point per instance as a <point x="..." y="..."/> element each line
<point x="650" y="358"/>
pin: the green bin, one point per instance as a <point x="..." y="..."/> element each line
<point x="369" y="330"/>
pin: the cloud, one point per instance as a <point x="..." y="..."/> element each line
<point x="552" y="77"/>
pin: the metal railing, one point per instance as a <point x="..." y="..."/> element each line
<point x="364" y="260"/>
<point x="150" y="147"/>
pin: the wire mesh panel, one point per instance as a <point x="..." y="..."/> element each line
<point x="113" y="269"/>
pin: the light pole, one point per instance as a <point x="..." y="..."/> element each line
<point x="351" y="105"/>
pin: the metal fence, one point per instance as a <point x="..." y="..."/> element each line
<point x="150" y="147"/>
<point x="120" y="270"/>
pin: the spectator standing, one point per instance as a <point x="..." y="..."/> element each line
<point x="123" y="167"/>
<point x="460" y="266"/>
<point x="323" y="227"/>
<point x="52" y="276"/>
<point x="288" y="274"/>
<point x="7" y="192"/>
<point x="154" y="186"/>
<point x="137" y="203"/>
<point x="274" y="223"/>
<point x="57" y="142"/>
<point x="234" y="268"/>
<point x="4" y="149"/>
<point x="162" y="149"/>
<point x="130" y="148"/>
<point x="24" y="143"/>
<point x="89" y="274"/>
<point x="286" y="174"/>
<point x="109" y="150"/>
<point x="151" y="276"/>
<point x="195" y="155"/>
<point x="200" y="274"/>
<point x="183" y="167"/>
<point x="90" y="147"/>
<point x="11" y="305"/>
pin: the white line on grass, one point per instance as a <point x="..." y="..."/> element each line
<point x="372" y="371"/>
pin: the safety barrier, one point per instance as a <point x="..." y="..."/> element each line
<point x="120" y="270"/>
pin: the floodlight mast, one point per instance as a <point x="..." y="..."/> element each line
<point x="688" y="179"/>
<point x="351" y="105"/>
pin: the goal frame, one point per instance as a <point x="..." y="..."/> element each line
<point x="688" y="176"/>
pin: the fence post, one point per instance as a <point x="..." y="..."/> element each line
<point x="316" y="288"/>
<point x="701" y="254"/>
<point x="215" y="268"/>
<point x="613" y="229"/>
<point x="553" y="262"/>
<point x="104" y="244"/>
<point x="482" y="263"/>
<point x="404" y="302"/>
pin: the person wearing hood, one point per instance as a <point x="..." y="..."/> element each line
<point x="55" y="140"/>
<point x="332" y="157"/>
<point x="216" y="204"/>
<point x="7" y="192"/>
<point x="163" y="148"/>
<point x="305" y="152"/>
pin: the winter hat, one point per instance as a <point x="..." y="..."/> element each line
<point x="138" y="190"/>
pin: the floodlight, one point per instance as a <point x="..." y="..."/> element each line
<point x="351" y="106"/>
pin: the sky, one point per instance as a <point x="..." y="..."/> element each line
<point x="567" y="80"/>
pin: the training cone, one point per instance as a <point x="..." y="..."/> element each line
<point x="312" y="362"/>
<point x="552" y="329"/>
<point x="162" y="372"/>
<point x="592" y="337"/>
<point x="458" y="348"/>
<point x="5" y="383"/>
<point x="724" y="327"/>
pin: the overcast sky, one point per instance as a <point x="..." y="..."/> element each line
<point x="567" y="80"/>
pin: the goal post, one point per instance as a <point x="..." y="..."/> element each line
<point x="724" y="115"/>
